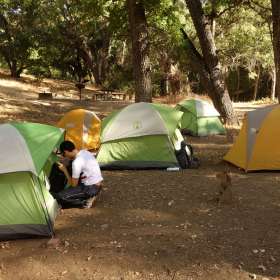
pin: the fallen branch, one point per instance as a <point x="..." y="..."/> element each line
<point x="270" y="243"/>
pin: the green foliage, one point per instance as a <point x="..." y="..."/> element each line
<point x="118" y="25"/>
<point x="48" y="34"/>
<point x="36" y="71"/>
<point x="243" y="37"/>
<point x="253" y="75"/>
<point x="3" y="64"/>
<point x="122" y="80"/>
<point x="155" y="89"/>
<point x="21" y="31"/>
<point x="129" y="88"/>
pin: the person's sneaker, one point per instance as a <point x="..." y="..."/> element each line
<point x="89" y="202"/>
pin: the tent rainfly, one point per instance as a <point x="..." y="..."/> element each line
<point x="200" y="118"/>
<point x="140" y="136"/>
<point x="82" y="128"/>
<point x="257" y="144"/>
<point x="27" y="207"/>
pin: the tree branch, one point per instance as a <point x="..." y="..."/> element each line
<point x="267" y="19"/>
<point x="191" y="45"/>
<point x="215" y="15"/>
<point x="194" y="57"/>
<point x="261" y="6"/>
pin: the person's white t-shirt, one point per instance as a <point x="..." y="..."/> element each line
<point x="86" y="167"/>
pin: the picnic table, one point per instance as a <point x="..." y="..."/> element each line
<point x="108" y="91"/>
<point x="108" y="94"/>
<point x="119" y="94"/>
<point x="95" y="95"/>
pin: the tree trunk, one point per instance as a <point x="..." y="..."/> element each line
<point x="122" y="55"/>
<point x="78" y="68"/>
<point x="276" y="41"/>
<point x="164" y="85"/>
<point x="91" y="55"/>
<point x="142" y="69"/>
<point x="213" y="27"/>
<point x="172" y="73"/>
<point x="93" y="62"/>
<point x="175" y="79"/>
<point x="14" y="72"/>
<point x="19" y="71"/>
<point x="257" y="82"/>
<point x="238" y="83"/>
<point x="104" y="55"/>
<point x="91" y="78"/>
<point x="9" y="56"/>
<point x="164" y="64"/>
<point x="95" y="70"/>
<point x="272" y="91"/>
<point x="208" y="66"/>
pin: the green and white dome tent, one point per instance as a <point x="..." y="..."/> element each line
<point x="140" y="136"/>
<point x="27" y="154"/>
<point x="200" y="118"/>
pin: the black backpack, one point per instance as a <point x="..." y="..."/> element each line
<point x="185" y="156"/>
<point x="57" y="178"/>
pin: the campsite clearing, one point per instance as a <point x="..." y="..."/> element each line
<point x="151" y="224"/>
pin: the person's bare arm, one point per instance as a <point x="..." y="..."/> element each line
<point x="73" y="181"/>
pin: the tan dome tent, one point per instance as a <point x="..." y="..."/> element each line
<point x="82" y="128"/>
<point x="257" y="144"/>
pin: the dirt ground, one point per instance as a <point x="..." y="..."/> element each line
<point x="149" y="224"/>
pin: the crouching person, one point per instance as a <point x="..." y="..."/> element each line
<point x="85" y="180"/>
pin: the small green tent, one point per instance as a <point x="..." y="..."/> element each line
<point x="200" y="118"/>
<point x="27" y="208"/>
<point x="140" y="136"/>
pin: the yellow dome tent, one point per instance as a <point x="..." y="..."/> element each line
<point x="82" y="128"/>
<point x="257" y="144"/>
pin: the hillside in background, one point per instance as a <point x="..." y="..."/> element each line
<point x="29" y="86"/>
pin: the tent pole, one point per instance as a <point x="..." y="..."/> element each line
<point x="47" y="220"/>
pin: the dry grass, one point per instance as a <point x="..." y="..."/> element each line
<point x="19" y="101"/>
